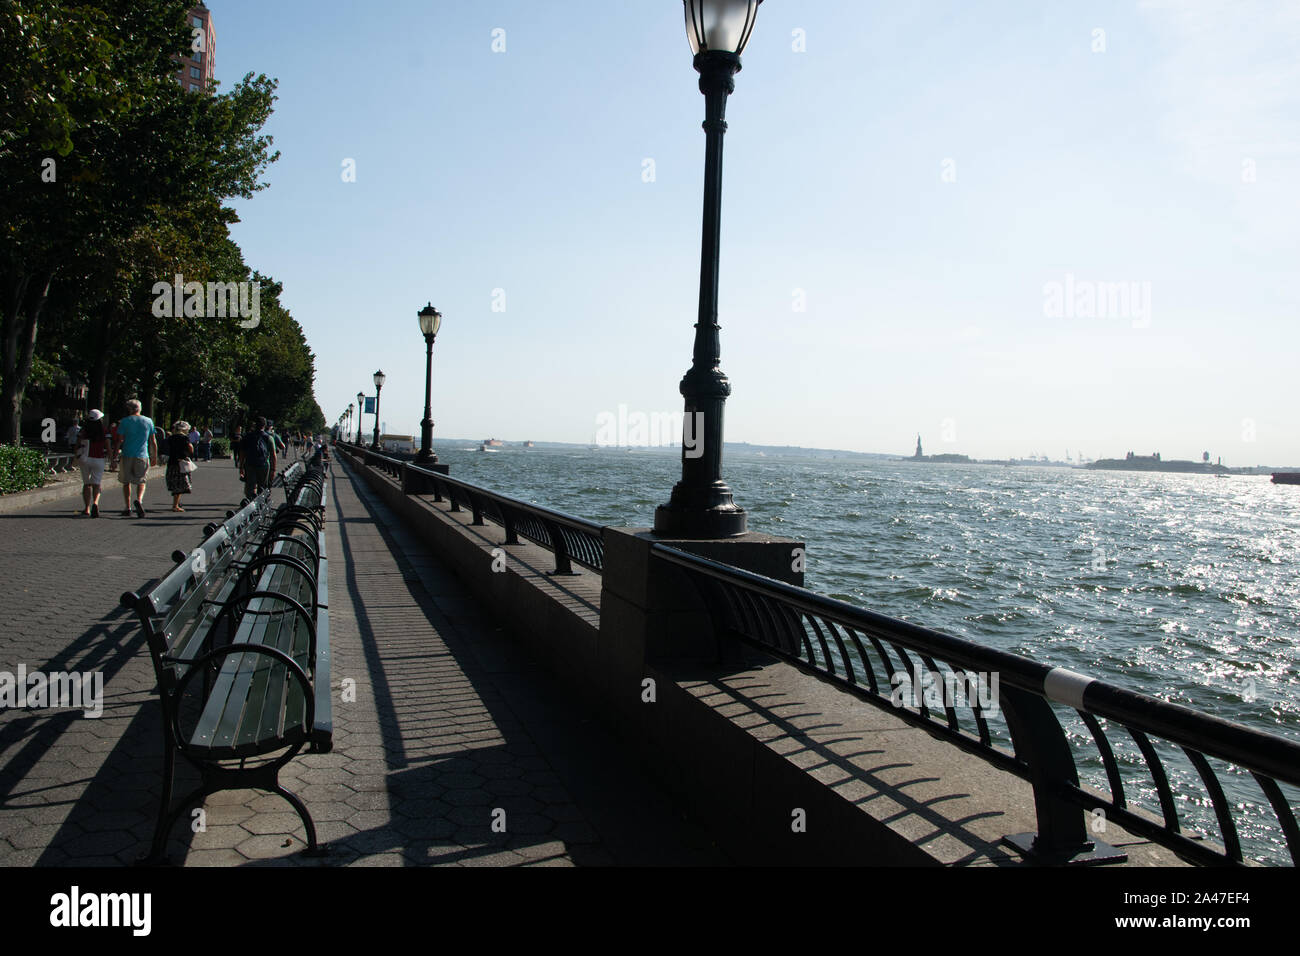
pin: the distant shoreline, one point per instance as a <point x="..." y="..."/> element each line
<point x="795" y="451"/>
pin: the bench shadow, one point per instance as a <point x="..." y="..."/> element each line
<point x="113" y="815"/>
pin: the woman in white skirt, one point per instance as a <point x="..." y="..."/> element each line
<point x="92" y="452"/>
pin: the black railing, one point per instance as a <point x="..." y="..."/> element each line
<point x="1004" y="708"/>
<point x="571" y="539"/>
<point x="1008" y="715"/>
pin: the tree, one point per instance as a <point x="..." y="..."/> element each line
<point x="89" y="88"/>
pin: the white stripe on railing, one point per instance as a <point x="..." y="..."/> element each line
<point x="1066" y="686"/>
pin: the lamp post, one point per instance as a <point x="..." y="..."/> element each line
<point x="348" y="427"/>
<point x="379" y="385"/>
<point x="701" y="505"/>
<point x="361" y="413"/>
<point x="430" y="322"/>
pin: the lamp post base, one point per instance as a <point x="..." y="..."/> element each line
<point x="722" y="520"/>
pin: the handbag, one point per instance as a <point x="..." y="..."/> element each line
<point x="187" y="466"/>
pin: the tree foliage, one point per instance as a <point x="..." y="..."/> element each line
<point x="113" y="179"/>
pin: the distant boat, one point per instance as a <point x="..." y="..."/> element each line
<point x="1286" y="477"/>
<point x="493" y="443"/>
<point x="483" y="446"/>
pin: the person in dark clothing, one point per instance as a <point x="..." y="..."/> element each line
<point x="257" y="460"/>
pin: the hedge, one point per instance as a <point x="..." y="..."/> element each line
<point x="21" y="469"/>
<point x="221" y="447"/>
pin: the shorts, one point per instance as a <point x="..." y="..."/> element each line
<point x="133" y="471"/>
<point x="92" y="471"/>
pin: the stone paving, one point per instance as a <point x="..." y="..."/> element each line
<point x="452" y="727"/>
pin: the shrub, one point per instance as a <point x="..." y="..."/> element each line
<point x="20" y="469"/>
<point x="221" y="447"/>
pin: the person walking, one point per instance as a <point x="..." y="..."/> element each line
<point x="180" y="463"/>
<point x="236" y="445"/>
<point x="258" y="460"/>
<point x="205" y="443"/>
<point x="92" y="454"/>
<point x="139" y="451"/>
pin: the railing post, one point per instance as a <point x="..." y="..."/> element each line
<point x="1040" y="742"/>
<point x="477" y="506"/>
<point x="562" y="565"/>
<point x="507" y="518"/>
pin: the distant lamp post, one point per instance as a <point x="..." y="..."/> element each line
<point x="361" y="413"/>
<point x="348" y="428"/>
<point x="379" y="385"/>
<point x="430" y="322"/>
<point x="701" y="504"/>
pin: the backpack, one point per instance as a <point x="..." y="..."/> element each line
<point x="255" y="452"/>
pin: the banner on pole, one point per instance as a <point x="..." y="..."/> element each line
<point x="370" y="405"/>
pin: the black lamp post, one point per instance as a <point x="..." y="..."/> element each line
<point x="361" y="414"/>
<point x="348" y="428"/>
<point x="430" y="322"/>
<point x="379" y="385"/>
<point x="701" y="504"/>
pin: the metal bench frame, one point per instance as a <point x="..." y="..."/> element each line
<point x="261" y="561"/>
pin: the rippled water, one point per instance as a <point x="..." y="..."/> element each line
<point x="1184" y="587"/>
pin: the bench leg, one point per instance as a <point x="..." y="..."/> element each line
<point x="156" y="853"/>
<point x="313" y="848"/>
<point x="166" y="821"/>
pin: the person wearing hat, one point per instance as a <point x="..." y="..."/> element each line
<point x="92" y="450"/>
<point x="180" y="463"/>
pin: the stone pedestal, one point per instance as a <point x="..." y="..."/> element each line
<point x="652" y="611"/>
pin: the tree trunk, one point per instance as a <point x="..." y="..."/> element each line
<point x="99" y="371"/>
<point x="19" y="346"/>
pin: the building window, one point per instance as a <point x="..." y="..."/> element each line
<point x="198" y="57"/>
<point x="194" y="73"/>
<point x="197" y="21"/>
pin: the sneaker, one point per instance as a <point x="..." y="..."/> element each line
<point x="139" y="510"/>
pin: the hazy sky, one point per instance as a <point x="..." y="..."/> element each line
<point x="1028" y="227"/>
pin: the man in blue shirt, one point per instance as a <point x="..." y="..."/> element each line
<point x="139" y="451"/>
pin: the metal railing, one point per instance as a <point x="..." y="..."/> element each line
<point x="851" y="647"/>
<point x="1013" y="724"/>
<point x="571" y="539"/>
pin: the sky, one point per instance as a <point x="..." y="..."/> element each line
<point x="1013" y="228"/>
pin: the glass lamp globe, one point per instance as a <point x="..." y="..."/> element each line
<point x="719" y="25"/>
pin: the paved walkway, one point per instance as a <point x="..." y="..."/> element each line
<point x="451" y="723"/>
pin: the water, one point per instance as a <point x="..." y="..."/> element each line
<point x="1183" y="587"/>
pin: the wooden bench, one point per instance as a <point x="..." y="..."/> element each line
<point x="239" y="636"/>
